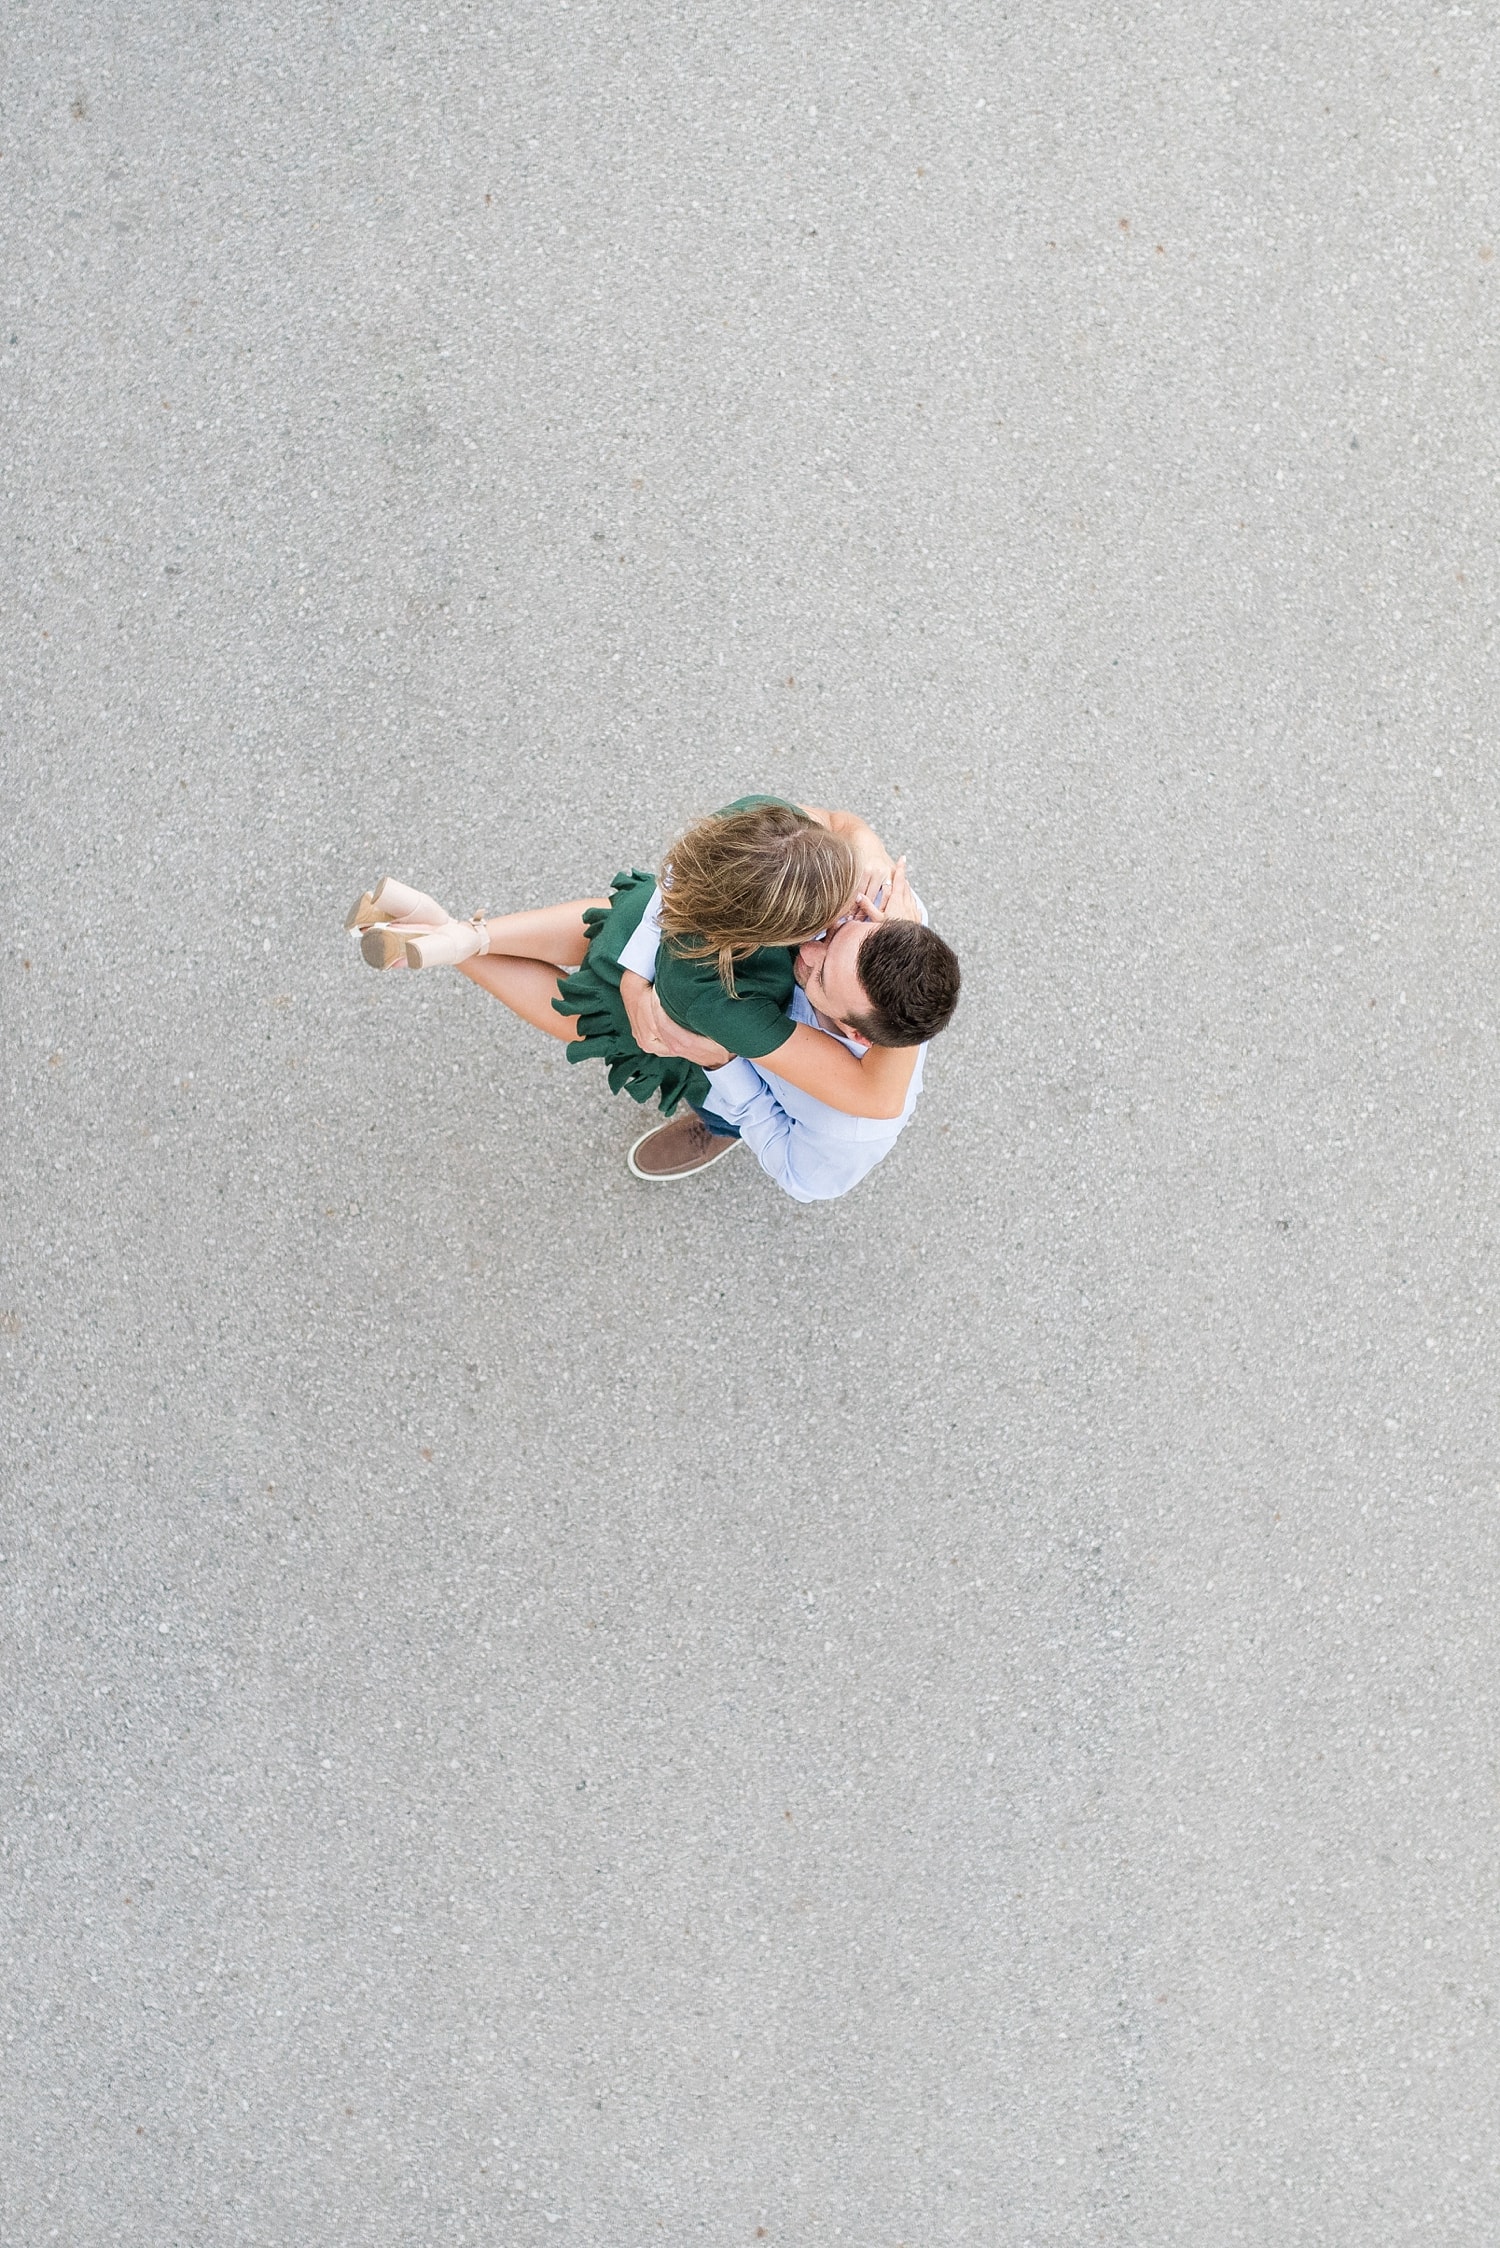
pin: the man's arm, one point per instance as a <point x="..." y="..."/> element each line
<point x="654" y="1030"/>
<point x="651" y="1026"/>
<point x="873" y="1086"/>
<point x="638" y="953"/>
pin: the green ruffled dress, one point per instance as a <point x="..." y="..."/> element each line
<point x="754" y="1022"/>
<point x="592" y="993"/>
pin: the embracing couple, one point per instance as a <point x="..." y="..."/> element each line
<point x="776" y="984"/>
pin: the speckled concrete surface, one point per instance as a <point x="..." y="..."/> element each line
<point x="540" y="1710"/>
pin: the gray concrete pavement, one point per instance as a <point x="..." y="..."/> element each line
<point x="539" y="1710"/>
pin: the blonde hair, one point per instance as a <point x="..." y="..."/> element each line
<point x="739" y="880"/>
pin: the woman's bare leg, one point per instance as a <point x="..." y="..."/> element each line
<point x="526" y="987"/>
<point x="526" y="951"/>
<point x="550" y="932"/>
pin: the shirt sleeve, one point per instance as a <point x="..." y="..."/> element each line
<point x="751" y="1024"/>
<point x="639" y="954"/>
<point x="804" y="1166"/>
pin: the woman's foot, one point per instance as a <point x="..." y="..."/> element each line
<point x="449" y="946"/>
<point x="389" y="916"/>
<point x="391" y="900"/>
<point x="385" y="947"/>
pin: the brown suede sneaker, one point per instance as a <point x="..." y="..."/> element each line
<point x="673" y="1150"/>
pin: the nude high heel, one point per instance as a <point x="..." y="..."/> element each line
<point x="447" y="947"/>
<point x="391" y="900"/>
<point x="385" y="945"/>
<point x="387" y="915"/>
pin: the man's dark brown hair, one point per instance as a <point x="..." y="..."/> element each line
<point x="910" y="978"/>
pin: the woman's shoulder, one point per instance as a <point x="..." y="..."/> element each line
<point x="764" y="973"/>
<point x="753" y="803"/>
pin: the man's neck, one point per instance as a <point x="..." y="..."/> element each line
<point x="824" y="1022"/>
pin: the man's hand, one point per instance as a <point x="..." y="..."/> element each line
<point x="898" y="904"/>
<point x="656" y="1033"/>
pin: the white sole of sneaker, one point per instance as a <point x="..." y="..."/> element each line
<point x="670" y="1178"/>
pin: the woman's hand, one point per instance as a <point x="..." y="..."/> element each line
<point x="655" y="1032"/>
<point x="873" y="864"/>
<point x="898" y="904"/>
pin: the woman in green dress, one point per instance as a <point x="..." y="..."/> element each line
<point x="740" y="891"/>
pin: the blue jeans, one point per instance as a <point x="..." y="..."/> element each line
<point x="715" y="1123"/>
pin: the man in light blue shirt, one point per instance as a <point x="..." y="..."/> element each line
<point x="812" y="1151"/>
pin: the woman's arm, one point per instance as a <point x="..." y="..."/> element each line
<point x="809" y="1059"/>
<point x="875" y="1085"/>
<point x="870" y="854"/>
